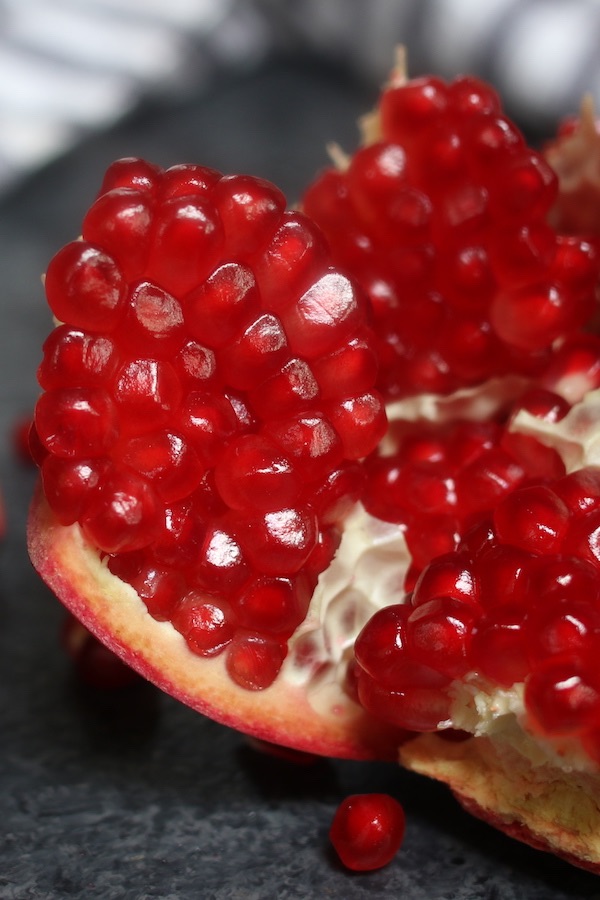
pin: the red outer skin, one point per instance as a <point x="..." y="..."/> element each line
<point x="115" y="614"/>
<point x="543" y="807"/>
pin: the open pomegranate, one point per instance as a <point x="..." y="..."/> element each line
<point x="330" y="477"/>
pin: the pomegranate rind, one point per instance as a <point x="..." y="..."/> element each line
<point x="116" y="615"/>
<point x="550" y="809"/>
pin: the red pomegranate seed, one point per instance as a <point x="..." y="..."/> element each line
<point x="535" y="519"/>
<point x="438" y="634"/>
<point x="499" y="649"/>
<point x="367" y="831"/>
<point x="205" y="624"/>
<point x="253" y="660"/>
<point x="563" y="696"/>
<point x="85" y="288"/>
<point x="76" y="422"/>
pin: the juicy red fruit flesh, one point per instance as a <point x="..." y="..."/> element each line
<point x="367" y="831"/>
<point x="443" y="221"/>
<point x="516" y="602"/>
<point x="193" y="420"/>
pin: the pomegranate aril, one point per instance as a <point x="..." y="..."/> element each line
<point x="348" y="370"/>
<point x="468" y="94"/>
<point x="534" y="519"/>
<point x="339" y="492"/>
<point x="499" y="648"/>
<point x="146" y="392"/>
<point x="220" y="566"/>
<point x="74" y="357"/>
<point x="76" y="422"/>
<point x="376" y="174"/>
<point x="279" y="542"/>
<point x="253" y="661"/>
<point x="204" y="623"/>
<point x="253" y="474"/>
<point x="294" y="258"/>
<point x="449" y="576"/>
<point x="561" y="697"/>
<point x="154" y="318"/>
<point x="70" y="484"/>
<point x="256" y="354"/>
<point x="250" y="209"/>
<point x="574" y="368"/>
<point x="360" y="422"/>
<point x="123" y="513"/>
<point x="417" y="708"/>
<point x="119" y="222"/>
<point x="186" y="246"/>
<point x="291" y="389"/>
<point x="208" y="421"/>
<point x="481" y="483"/>
<point x="543" y="404"/>
<point x="195" y="365"/>
<point x="583" y="537"/>
<point x="85" y="288"/>
<point x="131" y="172"/>
<point x="563" y="627"/>
<point x="504" y="574"/>
<point x="272" y="605"/>
<point x="219" y="310"/>
<point x="491" y="140"/>
<point x="323" y="316"/>
<point x="167" y="460"/>
<point x="161" y="589"/>
<point x="367" y="831"/>
<point x="523" y="254"/>
<point x="407" y="110"/>
<point x="431" y="536"/>
<point x="438" y="634"/>
<point x="311" y="442"/>
<point x="580" y="490"/>
<point x="533" y="317"/>
<point x="187" y="180"/>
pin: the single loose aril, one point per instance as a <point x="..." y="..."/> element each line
<point x="367" y="831"/>
<point x="192" y="420"/>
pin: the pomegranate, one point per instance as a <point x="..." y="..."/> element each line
<point x="208" y="397"/>
<point x="331" y="476"/>
<point x="367" y="831"/>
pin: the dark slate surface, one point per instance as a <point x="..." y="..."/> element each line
<point x="134" y="796"/>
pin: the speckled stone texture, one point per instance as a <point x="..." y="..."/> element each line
<point x="133" y="796"/>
